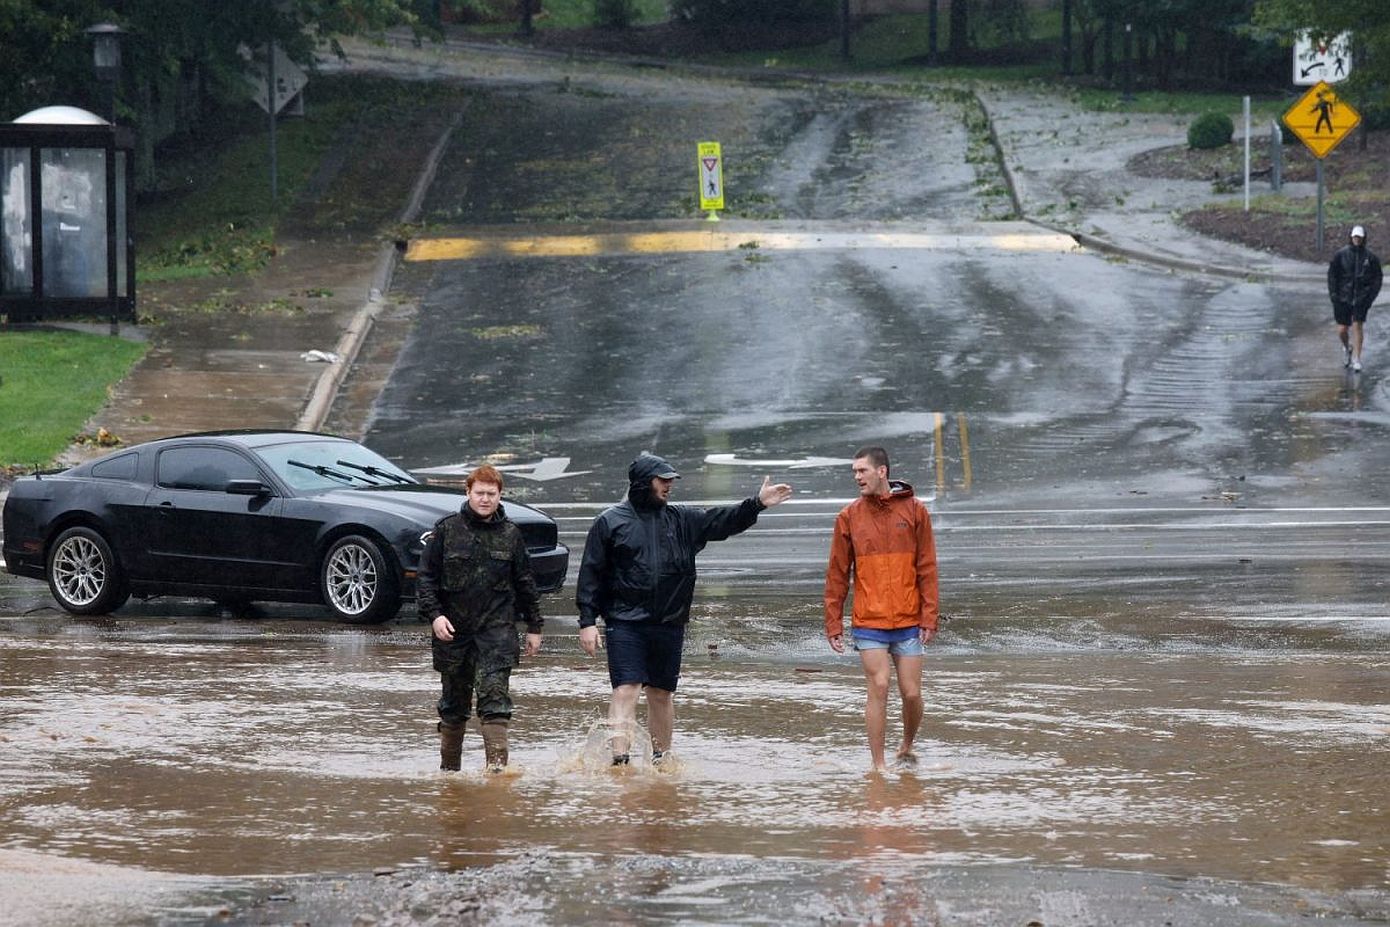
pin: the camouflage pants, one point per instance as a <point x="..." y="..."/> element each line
<point x="481" y="673"/>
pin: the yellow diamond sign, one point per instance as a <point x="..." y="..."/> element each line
<point x="1321" y="119"/>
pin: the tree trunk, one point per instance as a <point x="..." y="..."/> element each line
<point x="960" y="30"/>
<point x="1066" y="36"/>
<point x="932" y="45"/>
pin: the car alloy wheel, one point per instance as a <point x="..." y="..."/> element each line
<point x="83" y="574"/>
<point x="358" y="583"/>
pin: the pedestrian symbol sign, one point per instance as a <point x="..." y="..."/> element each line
<point x="711" y="170"/>
<point x="1321" y="119"/>
<point x="1329" y="60"/>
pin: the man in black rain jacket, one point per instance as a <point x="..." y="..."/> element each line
<point x="1353" y="283"/>
<point x="638" y="574"/>
<point x="475" y="583"/>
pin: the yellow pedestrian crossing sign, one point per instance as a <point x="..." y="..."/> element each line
<point x="711" y="170"/>
<point x="1321" y="119"/>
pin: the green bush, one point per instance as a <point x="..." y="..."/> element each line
<point x="615" y="14"/>
<point x="1210" y="130"/>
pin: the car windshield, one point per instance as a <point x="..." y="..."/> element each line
<point x="313" y="466"/>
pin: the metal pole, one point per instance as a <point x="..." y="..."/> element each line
<point x="1276" y="156"/>
<point x="1319" y="238"/>
<point x="270" y="104"/>
<point x="112" y="294"/>
<point x="1246" y="108"/>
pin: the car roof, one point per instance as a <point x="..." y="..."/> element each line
<point x="249" y="437"/>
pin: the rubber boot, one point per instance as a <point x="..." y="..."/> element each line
<point x="495" y="745"/>
<point x="450" y="745"/>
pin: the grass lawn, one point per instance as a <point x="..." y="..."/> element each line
<point x="212" y="212"/>
<point x="50" y="383"/>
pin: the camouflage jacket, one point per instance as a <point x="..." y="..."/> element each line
<point x="478" y="573"/>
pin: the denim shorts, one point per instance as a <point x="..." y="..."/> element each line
<point x="911" y="647"/>
<point x="644" y="653"/>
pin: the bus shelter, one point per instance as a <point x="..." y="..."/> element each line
<point x="66" y="177"/>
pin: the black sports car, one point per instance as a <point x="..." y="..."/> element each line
<point x="239" y="517"/>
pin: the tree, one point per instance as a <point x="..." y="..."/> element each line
<point x="959" y="17"/>
<point x="1369" y="24"/>
<point x="181" y="59"/>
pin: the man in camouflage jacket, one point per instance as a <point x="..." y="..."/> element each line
<point x="475" y="584"/>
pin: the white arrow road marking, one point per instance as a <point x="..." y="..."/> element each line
<point x="549" y="468"/>
<point x="732" y="460"/>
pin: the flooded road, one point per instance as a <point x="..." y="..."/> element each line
<point x="1095" y="737"/>
<point x="1159" y="694"/>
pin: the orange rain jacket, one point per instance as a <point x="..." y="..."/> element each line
<point x="887" y="542"/>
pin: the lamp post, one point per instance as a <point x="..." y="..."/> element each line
<point x="106" y="60"/>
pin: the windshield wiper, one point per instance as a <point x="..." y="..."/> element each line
<point x="374" y="471"/>
<point x="328" y="471"/>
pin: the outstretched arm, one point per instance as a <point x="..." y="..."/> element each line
<point x="721" y="522"/>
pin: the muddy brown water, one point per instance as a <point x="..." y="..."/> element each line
<point x="1234" y="749"/>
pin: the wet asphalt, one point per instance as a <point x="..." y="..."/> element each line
<point x="1162" y="553"/>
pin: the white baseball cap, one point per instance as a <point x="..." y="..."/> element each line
<point x="1358" y="232"/>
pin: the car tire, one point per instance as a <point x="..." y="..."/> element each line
<point x="83" y="574"/>
<point x="358" y="581"/>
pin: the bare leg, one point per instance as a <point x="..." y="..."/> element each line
<point x="1343" y="335"/>
<point x="661" y="717"/>
<point x="877" y="669"/>
<point x="1357" y="332"/>
<point x="622" y="715"/>
<point x="910" y="688"/>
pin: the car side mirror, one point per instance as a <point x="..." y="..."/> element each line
<point x="247" y="488"/>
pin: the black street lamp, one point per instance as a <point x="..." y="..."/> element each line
<point x="106" y="59"/>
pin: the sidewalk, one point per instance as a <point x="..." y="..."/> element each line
<point x="221" y="370"/>
<point x="1067" y="169"/>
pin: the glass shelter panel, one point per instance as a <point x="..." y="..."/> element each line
<point x="122" y="238"/>
<point x="74" y="222"/>
<point x="16" y="223"/>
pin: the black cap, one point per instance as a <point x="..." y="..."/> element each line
<point x="647" y="466"/>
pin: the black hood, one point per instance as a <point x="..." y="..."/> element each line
<point x="639" y="479"/>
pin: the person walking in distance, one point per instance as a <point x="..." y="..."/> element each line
<point x="1353" y="283"/>
<point x="638" y="575"/>
<point x="475" y="584"/>
<point x="884" y="540"/>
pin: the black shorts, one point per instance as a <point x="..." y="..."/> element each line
<point x="644" y="653"/>
<point x="1345" y="314"/>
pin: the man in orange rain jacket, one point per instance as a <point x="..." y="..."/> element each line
<point x="885" y="539"/>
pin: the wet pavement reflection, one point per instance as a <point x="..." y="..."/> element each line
<point x="1251" y="750"/>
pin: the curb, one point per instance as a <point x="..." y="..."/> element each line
<point x="326" y="388"/>
<point x="1104" y="246"/>
<point x="1176" y="263"/>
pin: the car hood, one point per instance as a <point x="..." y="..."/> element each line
<point x="419" y="502"/>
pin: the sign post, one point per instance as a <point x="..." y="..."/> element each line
<point x="1321" y="120"/>
<point x="711" y="172"/>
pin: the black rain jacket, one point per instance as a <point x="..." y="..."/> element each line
<point x="1354" y="277"/>
<point x="639" y="558"/>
